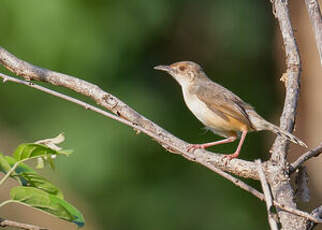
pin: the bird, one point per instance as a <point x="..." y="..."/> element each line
<point x="219" y="109"/>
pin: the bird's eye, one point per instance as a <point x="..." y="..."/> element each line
<point x="182" y="68"/>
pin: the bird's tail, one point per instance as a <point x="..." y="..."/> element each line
<point x="280" y="132"/>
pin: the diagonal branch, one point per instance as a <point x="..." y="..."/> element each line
<point x="170" y="142"/>
<point x="314" y="11"/>
<point x="201" y="159"/>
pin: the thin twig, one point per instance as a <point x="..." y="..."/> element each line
<point x="201" y="159"/>
<point x="314" y="11"/>
<point x="3" y="179"/>
<point x="85" y="105"/>
<point x="14" y="224"/>
<point x="267" y="194"/>
<point x="306" y="156"/>
<point x="297" y="212"/>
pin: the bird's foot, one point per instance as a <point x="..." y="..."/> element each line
<point x="193" y="147"/>
<point x="231" y="156"/>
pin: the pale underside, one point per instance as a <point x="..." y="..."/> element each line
<point x="222" y="124"/>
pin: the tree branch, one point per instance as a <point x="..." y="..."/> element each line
<point x="10" y="223"/>
<point x="292" y="81"/>
<point x="279" y="179"/>
<point x="314" y="11"/>
<point x="267" y="194"/>
<point x="306" y="156"/>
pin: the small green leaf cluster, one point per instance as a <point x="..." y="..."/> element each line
<point x="35" y="190"/>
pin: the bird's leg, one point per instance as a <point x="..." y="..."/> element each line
<point x="206" y="145"/>
<point x="240" y="144"/>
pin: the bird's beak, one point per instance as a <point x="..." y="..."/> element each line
<point x="163" y="68"/>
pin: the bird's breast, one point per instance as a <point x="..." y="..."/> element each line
<point x="208" y="117"/>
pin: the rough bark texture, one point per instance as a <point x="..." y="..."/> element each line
<point x="278" y="176"/>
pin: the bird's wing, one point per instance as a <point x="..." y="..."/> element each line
<point x="223" y="102"/>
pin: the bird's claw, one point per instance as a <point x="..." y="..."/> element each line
<point x="193" y="147"/>
<point x="231" y="156"/>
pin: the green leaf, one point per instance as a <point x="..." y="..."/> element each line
<point x="29" y="177"/>
<point x="31" y="150"/>
<point x="37" y="181"/>
<point x="43" y="201"/>
<point x="77" y="215"/>
<point x="4" y="164"/>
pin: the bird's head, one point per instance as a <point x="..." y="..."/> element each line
<point x="185" y="72"/>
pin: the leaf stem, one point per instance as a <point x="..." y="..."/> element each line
<point x="9" y="172"/>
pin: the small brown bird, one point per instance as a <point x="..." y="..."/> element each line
<point x="218" y="108"/>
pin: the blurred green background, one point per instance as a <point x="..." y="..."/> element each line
<point x="118" y="179"/>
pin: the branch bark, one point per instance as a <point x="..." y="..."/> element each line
<point x="279" y="179"/>
<point x="314" y="11"/>
<point x="292" y="81"/>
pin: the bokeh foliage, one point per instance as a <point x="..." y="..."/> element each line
<point x="128" y="180"/>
